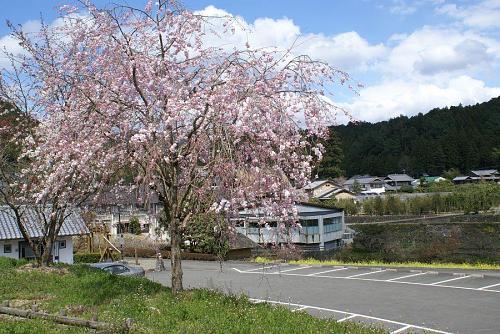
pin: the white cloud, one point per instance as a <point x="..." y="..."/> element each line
<point x="347" y="50"/>
<point x="397" y="97"/>
<point x="432" y="51"/>
<point x="31" y="27"/>
<point x="412" y="72"/>
<point x="431" y="67"/>
<point x="408" y="7"/>
<point x="401" y="7"/>
<point x="415" y="72"/>
<point x="446" y="58"/>
<point x="483" y="15"/>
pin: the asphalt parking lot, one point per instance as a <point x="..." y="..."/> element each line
<point x="401" y="300"/>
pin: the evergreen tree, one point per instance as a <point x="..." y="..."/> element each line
<point x="459" y="137"/>
<point x="330" y="166"/>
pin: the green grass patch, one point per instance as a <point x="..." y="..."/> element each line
<point x="83" y="291"/>
<point x="436" y="265"/>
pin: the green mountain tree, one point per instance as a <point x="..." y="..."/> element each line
<point x="458" y="137"/>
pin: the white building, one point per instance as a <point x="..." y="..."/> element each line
<point x="119" y="222"/>
<point x="321" y="228"/>
<point x="327" y="189"/>
<point x="365" y="183"/>
<point x="13" y="245"/>
<point x="115" y="210"/>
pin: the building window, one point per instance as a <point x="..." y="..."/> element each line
<point x="7" y="248"/>
<point x="62" y="244"/>
<point x="309" y="226"/>
<point x="332" y="224"/>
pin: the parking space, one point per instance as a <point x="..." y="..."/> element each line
<point x="385" y="275"/>
<point x="349" y="272"/>
<point x="300" y="270"/>
<point x="344" y="316"/>
<point x="476" y="282"/>
<point x="492" y="287"/>
<point x="402" y="300"/>
<point x="393" y="327"/>
<point x="458" y="280"/>
<point x="429" y="277"/>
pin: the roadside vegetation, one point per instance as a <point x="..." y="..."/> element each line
<point x="435" y="265"/>
<point x="83" y="292"/>
<point x="468" y="198"/>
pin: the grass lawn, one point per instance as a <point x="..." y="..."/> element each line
<point x="437" y="265"/>
<point x="83" y="291"/>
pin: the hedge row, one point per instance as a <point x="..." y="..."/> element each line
<point x="86" y="257"/>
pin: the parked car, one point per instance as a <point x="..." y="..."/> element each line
<point x="119" y="268"/>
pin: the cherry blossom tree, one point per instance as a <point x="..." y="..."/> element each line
<point x="31" y="151"/>
<point x="146" y="88"/>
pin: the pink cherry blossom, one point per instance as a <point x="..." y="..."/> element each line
<point x="141" y="88"/>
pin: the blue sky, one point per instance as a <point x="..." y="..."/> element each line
<point x="412" y="56"/>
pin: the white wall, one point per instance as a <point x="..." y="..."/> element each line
<point x="271" y="235"/>
<point x="65" y="254"/>
<point x="14" y="254"/>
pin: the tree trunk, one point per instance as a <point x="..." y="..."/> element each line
<point x="46" y="258"/>
<point x="175" y="256"/>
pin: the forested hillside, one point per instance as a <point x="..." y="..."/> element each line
<point x="456" y="137"/>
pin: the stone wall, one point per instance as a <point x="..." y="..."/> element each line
<point x="454" y="242"/>
<point x="435" y="219"/>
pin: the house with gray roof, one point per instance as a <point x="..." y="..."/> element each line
<point x="485" y="174"/>
<point x="479" y="175"/>
<point x="394" y="182"/>
<point x="13" y="245"/>
<point x="319" y="187"/>
<point x="327" y="189"/>
<point x="337" y="193"/>
<point x="366" y="183"/>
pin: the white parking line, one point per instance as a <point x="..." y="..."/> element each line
<point x="328" y="271"/>
<point x="260" y="268"/>
<point x="371" y="272"/>
<point x="451" y="279"/>
<point x="489" y="286"/>
<point x="284" y="271"/>
<point x="402" y="329"/>
<point x="349" y="315"/>
<point x="484" y="289"/>
<point x="300" y="308"/>
<point x="413" y="275"/>
<point x="347" y="318"/>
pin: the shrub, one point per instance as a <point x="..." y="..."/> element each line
<point x="86" y="257"/>
<point x="134" y="226"/>
<point x="407" y="189"/>
<point x="207" y="233"/>
<point x="6" y="262"/>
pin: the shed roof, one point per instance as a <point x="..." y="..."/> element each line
<point x="9" y="230"/>
<point x="400" y="177"/>
<point x="317" y="183"/>
<point x="240" y="241"/>
<point x="333" y="192"/>
<point x="433" y="178"/>
<point x="461" y="178"/>
<point x="484" y="172"/>
<point x="303" y="210"/>
<point x="363" y="179"/>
